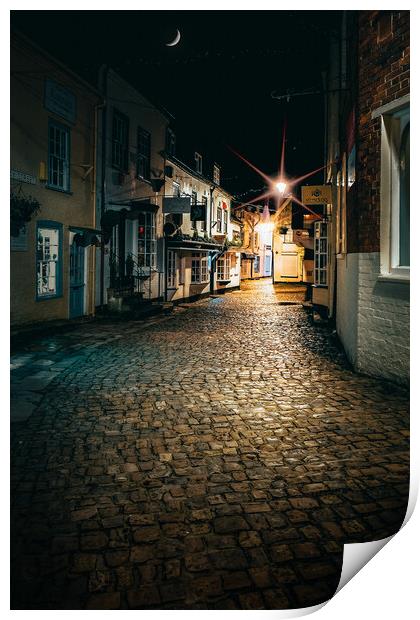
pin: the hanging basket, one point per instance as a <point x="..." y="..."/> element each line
<point x="22" y="209"/>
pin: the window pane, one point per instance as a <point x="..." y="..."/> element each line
<point x="405" y="198"/>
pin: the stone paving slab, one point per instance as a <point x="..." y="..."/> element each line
<point x="216" y="459"/>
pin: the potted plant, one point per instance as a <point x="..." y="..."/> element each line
<point x="22" y="209"/>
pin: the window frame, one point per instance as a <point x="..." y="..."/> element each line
<point x="50" y="225"/>
<point x="199" y="267"/>
<point x="67" y="130"/>
<point x="219" y="219"/>
<point x="145" y="158"/>
<point x="223" y="268"/>
<point x="198" y="162"/>
<point x="203" y="223"/>
<point x="123" y="167"/>
<point x="150" y="241"/>
<point x="172" y="264"/>
<point x="391" y="132"/>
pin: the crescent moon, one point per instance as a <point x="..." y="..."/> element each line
<point x="175" y="41"/>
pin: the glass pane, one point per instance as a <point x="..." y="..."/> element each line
<point x="405" y="198"/>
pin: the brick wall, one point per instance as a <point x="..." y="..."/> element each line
<point x="383" y="77"/>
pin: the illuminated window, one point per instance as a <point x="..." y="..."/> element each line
<point x="48" y="259"/>
<point x="199" y="268"/>
<point x="223" y="268"/>
<point x="321" y="253"/>
<point x="58" y="157"/>
<point x="146" y="244"/>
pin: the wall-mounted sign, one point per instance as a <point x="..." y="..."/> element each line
<point x="176" y="204"/>
<point x="316" y="194"/>
<point x="22" y="177"/>
<point x="60" y="101"/>
<point x="198" y="213"/>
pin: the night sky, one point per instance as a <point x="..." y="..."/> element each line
<point x="217" y="82"/>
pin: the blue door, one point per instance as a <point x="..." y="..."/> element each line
<point x="77" y="280"/>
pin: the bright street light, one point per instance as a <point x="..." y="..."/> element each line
<point x="281" y="187"/>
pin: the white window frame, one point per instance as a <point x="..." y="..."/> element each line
<point x="58" y="156"/>
<point x="223" y="268"/>
<point x="321" y="253"/>
<point x="216" y="174"/>
<point x="199" y="268"/>
<point x="172" y="269"/>
<point x="394" y="117"/>
<point x="146" y="259"/>
<point x="204" y="222"/>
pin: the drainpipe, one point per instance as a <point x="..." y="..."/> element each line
<point x="212" y="188"/>
<point x="103" y="181"/>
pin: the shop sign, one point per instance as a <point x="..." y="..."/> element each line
<point x="316" y="194"/>
<point x="176" y="204"/>
<point x="22" y="177"/>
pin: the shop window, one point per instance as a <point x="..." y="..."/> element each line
<point x="146" y="244"/>
<point x="49" y="251"/>
<point x="199" y="268"/>
<point x="223" y="268"/>
<point x="257" y="263"/>
<point x="58" y="156"/>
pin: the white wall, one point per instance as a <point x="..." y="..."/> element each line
<point x="373" y="318"/>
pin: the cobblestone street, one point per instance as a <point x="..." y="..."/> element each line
<point x="217" y="458"/>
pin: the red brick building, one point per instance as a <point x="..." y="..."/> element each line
<point x="368" y="157"/>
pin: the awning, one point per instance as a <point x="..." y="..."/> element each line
<point x="247" y="255"/>
<point x="85" y="236"/>
<point x="192" y="246"/>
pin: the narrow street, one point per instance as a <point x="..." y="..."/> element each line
<point x="217" y="458"/>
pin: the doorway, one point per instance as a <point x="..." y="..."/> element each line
<point x="77" y="280"/>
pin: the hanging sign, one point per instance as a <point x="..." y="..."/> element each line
<point x="316" y="194"/>
<point x="198" y="213"/>
<point x="176" y="204"/>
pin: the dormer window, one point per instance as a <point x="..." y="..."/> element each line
<point x="198" y="163"/>
<point x="216" y="174"/>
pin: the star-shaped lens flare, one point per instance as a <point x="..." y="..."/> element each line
<point x="280" y="187"/>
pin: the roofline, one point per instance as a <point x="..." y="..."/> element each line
<point x="19" y="35"/>
<point x="195" y="174"/>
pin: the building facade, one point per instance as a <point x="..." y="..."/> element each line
<point x="53" y="225"/>
<point x="200" y="236"/>
<point x="369" y="169"/>
<point x="132" y="136"/>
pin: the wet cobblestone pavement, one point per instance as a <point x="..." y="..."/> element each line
<point x="216" y="459"/>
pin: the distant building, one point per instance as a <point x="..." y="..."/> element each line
<point x="198" y="233"/>
<point x="132" y="137"/>
<point x="53" y="123"/>
<point x="368" y="158"/>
